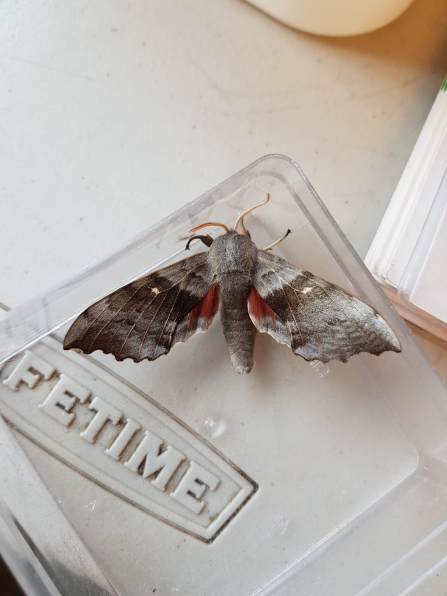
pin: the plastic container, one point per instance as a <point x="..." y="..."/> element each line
<point x="319" y="479"/>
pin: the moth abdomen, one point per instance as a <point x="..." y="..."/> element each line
<point x="238" y="329"/>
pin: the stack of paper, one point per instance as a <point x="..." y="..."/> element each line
<point x="408" y="256"/>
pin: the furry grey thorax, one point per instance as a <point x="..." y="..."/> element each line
<point x="232" y="253"/>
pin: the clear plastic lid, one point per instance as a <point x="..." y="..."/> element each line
<point x="319" y="479"/>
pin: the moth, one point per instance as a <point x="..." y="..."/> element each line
<point x="253" y="289"/>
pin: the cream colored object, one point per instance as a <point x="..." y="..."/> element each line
<point x="334" y="17"/>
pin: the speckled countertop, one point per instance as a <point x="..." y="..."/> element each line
<point x="114" y="114"/>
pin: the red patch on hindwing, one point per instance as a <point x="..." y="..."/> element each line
<point x="259" y="308"/>
<point x="207" y="307"/>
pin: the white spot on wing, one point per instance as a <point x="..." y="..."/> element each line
<point x="306" y="290"/>
<point x="155" y="291"/>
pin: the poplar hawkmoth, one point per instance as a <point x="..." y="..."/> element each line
<point x="253" y="289"/>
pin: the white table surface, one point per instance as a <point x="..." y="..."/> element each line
<point x="113" y="114"/>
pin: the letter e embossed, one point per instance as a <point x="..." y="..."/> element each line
<point x="192" y="486"/>
<point x="62" y="398"/>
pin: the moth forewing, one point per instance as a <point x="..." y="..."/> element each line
<point x="145" y="318"/>
<point x="324" y="322"/>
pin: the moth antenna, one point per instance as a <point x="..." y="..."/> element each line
<point x="209" y="223"/>
<point x="245" y="232"/>
<point x="247" y="211"/>
<point x="270" y="246"/>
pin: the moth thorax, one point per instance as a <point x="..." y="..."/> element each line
<point x="232" y="252"/>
